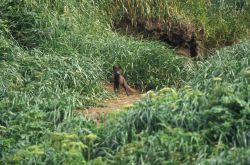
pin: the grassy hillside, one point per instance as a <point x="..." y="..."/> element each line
<point x="55" y="57"/>
<point x="216" y="23"/>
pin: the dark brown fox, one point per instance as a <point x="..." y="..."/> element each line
<point x="120" y="80"/>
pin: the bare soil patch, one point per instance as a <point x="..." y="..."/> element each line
<point x="115" y="104"/>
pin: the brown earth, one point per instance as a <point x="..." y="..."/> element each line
<point x="175" y="33"/>
<point x="100" y="113"/>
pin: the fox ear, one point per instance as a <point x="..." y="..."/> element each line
<point x="119" y="66"/>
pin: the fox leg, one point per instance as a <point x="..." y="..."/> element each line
<point x="116" y="87"/>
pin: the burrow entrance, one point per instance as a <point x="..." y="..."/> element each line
<point x="177" y="34"/>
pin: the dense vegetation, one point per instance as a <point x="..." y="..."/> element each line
<point x="55" y="57"/>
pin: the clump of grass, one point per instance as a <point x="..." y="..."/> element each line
<point x="226" y="64"/>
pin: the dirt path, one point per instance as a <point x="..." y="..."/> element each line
<point x="111" y="105"/>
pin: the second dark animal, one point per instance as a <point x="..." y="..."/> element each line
<point x="193" y="46"/>
<point x="120" y="80"/>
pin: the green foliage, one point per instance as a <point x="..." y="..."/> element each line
<point x="233" y="156"/>
<point x="164" y="147"/>
<point x="30" y="154"/>
<point x="25" y="22"/>
<point x="229" y="64"/>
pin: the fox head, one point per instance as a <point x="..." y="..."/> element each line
<point x="117" y="69"/>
